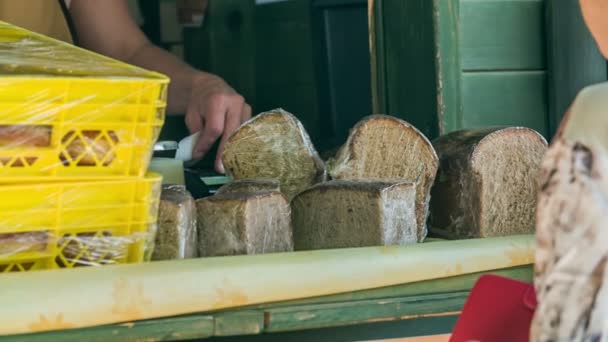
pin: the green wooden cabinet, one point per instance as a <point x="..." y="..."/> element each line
<point x="444" y="65"/>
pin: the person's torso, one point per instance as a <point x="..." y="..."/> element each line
<point x="41" y="16"/>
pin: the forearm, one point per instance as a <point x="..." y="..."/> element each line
<point x="119" y="37"/>
<point x="210" y="105"/>
<point x="181" y="74"/>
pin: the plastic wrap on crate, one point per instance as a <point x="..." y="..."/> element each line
<point x="244" y="223"/>
<point x="177" y="231"/>
<point x="383" y="147"/>
<point x="68" y="113"/>
<point x="274" y="145"/>
<point x="487" y="182"/>
<point x="72" y="224"/>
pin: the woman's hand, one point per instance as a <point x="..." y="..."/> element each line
<point x="215" y="110"/>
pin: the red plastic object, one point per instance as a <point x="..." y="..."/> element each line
<point x="498" y="309"/>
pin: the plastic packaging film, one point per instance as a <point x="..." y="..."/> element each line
<point x="176" y="237"/>
<point x="72" y="224"/>
<point x="383" y="147"/>
<point x="487" y="182"/>
<point x="350" y="214"/>
<point x="275" y="145"/>
<point x="239" y="223"/>
<point x="70" y="114"/>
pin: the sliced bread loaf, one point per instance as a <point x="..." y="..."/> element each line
<point x="176" y="234"/>
<point x="382" y="147"/>
<point x="487" y="182"/>
<point x="274" y="145"/>
<point x="244" y="223"/>
<point x="343" y="214"/>
<point x="250" y="185"/>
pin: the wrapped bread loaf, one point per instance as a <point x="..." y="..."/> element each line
<point x="274" y="145"/>
<point x="382" y="147"/>
<point x="17" y="243"/>
<point x="244" y="223"/>
<point x="571" y="256"/>
<point x="86" y="148"/>
<point x="177" y="230"/>
<point x="344" y="214"/>
<point x="250" y="185"/>
<point x="96" y="249"/>
<point x="487" y="182"/>
<point x="90" y="148"/>
<point x="25" y="136"/>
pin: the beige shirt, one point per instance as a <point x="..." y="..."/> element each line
<point x="42" y="16"/>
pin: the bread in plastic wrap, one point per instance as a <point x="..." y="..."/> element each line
<point x="487" y="182"/>
<point x="51" y="225"/>
<point x="250" y="185"/>
<point x="349" y="214"/>
<point x="570" y="275"/>
<point x="244" y="223"/>
<point x="177" y="230"/>
<point x="274" y="145"/>
<point x="71" y="114"/>
<point x="382" y="147"/>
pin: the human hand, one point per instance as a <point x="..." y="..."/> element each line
<point x="215" y="110"/>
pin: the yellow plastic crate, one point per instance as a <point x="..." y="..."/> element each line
<point x="71" y="224"/>
<point x="68" y="113"/>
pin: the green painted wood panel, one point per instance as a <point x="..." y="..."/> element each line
<point x="336" y="314"/>
<point x="363" y="332"/>
<point x="502" y="35"/>
<point x="448" y="60"/>
<point x="403" y="302"/>
<point x="420" y="49"/>
<point x="168" y="329"/>
<point x="234" y="323"/>
<point x="285" y="74"/>
<point x="377" y="60"/>
<point x="573" y="57"/>
<point x="505" y="98"/>
<point x="445" y="285"/>
<point x="225" y="45"/>
<point x="284" y="44"/>
<point x="409" y="58"/>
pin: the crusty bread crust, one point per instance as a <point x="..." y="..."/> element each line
<point x="250" y="185"/>
<point x="487" y="182"/>
<point x="274" y="145"/>
<point x="244" y="223"/>
<point x="349" y="214"/>
<point x="385" y="147"/>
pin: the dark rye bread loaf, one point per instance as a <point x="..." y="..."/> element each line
<point x="176" y="233"/>
<point x="345" y="214"/>
<point x="244" y="223"/>
<point x="274" y="145"/>
<point x="382" y="147"/>
<point x="487" y="182"/>
<point x="250" y="185"/>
